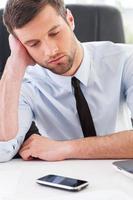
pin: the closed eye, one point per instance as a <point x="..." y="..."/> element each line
<point x="54" y="34"/>
<point x="34" y="44"/>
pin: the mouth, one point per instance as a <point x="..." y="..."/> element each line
<point x="55" y="60"/>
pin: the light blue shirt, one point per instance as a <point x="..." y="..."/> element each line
<point x="106" y="75"/>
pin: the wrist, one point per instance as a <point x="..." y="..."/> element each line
<point x="14" y="70"/>
<point x="11" y="77"/>
<point x="69" y="149"/>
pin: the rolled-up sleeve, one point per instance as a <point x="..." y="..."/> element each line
<point x="9" y="149"/>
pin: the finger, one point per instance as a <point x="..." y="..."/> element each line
<point x="13" y="42"/>
<point x="24" y="148"/>
<point x="26" y="142"/>
<point x="27" y="145"/>
<point x="26" y="154"/>
<point x="30" y="139"/>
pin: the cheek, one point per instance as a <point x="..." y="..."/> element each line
<point x="64" y="42"/>
<point x="65" y="36"/>
<point x="34" y="53"/>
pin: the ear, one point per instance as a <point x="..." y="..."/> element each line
<point x="70" y="19"/>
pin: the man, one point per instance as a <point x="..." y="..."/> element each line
<point x="42" y="32"/>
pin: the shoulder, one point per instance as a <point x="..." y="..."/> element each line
<point x="111" y="58"/>
<point x="107" y="48"/>
<point x="35" y="76"/>
<point x="34" y="73"/>
<point x="36" y="81"/>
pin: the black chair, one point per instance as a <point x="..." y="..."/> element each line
<point x="97" y="23"/>
<point x="4" y="46"/>
<point x="93" y="23"/>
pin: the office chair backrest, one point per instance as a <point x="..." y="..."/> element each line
<point x="4" y="46"/>
<point x="97" y="23"/>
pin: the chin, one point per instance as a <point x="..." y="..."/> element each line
<point x="60" y="71"/>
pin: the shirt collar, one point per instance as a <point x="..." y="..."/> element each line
<point x="84" y="70"/>
<point x="82" y="73"/>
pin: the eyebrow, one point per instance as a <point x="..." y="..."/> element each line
<point x="52" y="29"/>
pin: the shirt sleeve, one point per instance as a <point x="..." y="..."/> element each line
<point x="8" y="149"/>
<point x="128" y="83"/>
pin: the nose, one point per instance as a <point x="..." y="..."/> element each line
<point x="50" y="48"/>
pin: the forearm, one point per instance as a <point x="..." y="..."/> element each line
<point x="118" y="145"/>
<point x="10" y="88"/>
<point x="9" y="98"/>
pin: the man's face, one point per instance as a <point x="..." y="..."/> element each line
<point x="50" y="40"/>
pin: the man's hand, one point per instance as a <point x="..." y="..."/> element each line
<point x="37" y="146"/>
<point x="19" y="58"/>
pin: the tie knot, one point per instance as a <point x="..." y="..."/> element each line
<point x="75" y="82"/>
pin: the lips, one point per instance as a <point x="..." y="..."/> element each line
<point x="56" y="59"/>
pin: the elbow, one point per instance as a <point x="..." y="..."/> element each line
<point x="6" y="155"/>
<point x="5" y="158"/>
<point x="9" y="149"/>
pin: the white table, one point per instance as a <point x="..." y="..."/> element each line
<point x="17" y="180"/>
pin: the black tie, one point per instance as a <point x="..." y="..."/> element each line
<point x="84" y="113"/>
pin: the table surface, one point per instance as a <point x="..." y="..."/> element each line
<point x="18" y="180"/>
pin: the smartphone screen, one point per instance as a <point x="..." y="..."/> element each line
<point x="62" y="182"/>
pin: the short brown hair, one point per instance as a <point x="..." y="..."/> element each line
<point x="18" y="13"/>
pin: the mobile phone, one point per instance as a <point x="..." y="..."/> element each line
<point x="62" y="182"/>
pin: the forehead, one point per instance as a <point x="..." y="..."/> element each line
<point x="41" y="24"/>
